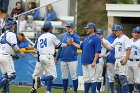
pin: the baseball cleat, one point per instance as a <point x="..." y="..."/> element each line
<point x="48" y="92"/>
<point x="33" y="91"/>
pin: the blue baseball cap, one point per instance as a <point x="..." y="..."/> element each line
<point x="100" y="31"/>
<point x="117" y="27"/>
<point x="90" y="26"/>
<point x="136" y="30"/>
<point x="9" y="19"/>
<point x="9" y="22"/>
<point x="47" y="25"/>
<point x="70" y="24"/>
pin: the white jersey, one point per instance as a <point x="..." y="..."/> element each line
<point x="46" y="44"/>
<point x="103" y="50"/>
<point x="6" y="48"/>
<point x="135" y="49"/>
<point x="121" y="44"/>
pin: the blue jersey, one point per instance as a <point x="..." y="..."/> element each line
<point x="90" y="46"/>
<point x="23" y="44"/>
<point x="51" y="16"/>
<point x="36" y="15"/>
<point x="69" y="53"/>
<point x="111" y="57"/>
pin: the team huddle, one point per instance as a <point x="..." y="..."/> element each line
<point x="120" y="54"/>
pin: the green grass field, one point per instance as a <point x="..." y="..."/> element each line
<point x="24" y="89"/>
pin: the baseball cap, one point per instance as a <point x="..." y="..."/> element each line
<point x="9" y="22"/>
<point x="100" y="31"/>
<point x="91" y="26"/>
<point x="117" y="27"/>
<point x="47" y="25"/>
<point x="70" y="24"/>
<point x="136" y="30"/>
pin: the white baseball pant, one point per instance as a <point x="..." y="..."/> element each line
<point x="99" y="69"/>
<point x="7" y="65"/>
<point x="67" y="67"/>
<point x="89" y="73"/>
<point x="119" y="68"/>
<point x="110" y="71"/>
<point x="47" y="65"/>
<point x="133" y="74"/>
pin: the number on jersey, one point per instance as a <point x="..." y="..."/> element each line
<point x="135" y="52"/>
<point x="43" y="43"/>
<point x="119" y="49"/>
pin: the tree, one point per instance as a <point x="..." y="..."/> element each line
<point x="95" y="11"/>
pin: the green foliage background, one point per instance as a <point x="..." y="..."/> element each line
<point x="95" y="11"/>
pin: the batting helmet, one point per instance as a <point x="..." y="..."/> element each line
<point x="117" y="27"/>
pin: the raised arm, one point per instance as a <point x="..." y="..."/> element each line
<point x="109" y="47"/>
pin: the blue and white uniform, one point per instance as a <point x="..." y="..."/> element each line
<point x="134" y="62"/>
<point x="90" y="46"/>
<point x="8" y="44"/>
<point x="68" y="58"/>
<point x="121" y="44"/>
<point x="8" y="40"/>
<point x="45" y="46"/>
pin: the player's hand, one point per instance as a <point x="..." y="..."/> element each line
<point x="93" y="64"/>
<point x="69" y="41"/>
<point x="124" y="62"/>
<point x="36" y="56"/>
<point x="22" y="53"/>
<point x="56" y="62"/>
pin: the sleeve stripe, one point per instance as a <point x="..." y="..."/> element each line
<point x="12" y="45"/>
<point x="58" y="46"/>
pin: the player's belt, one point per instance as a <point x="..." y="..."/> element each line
<point x="134" y="59"/>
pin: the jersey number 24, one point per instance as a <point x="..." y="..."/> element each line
<point x="43" y="43"/>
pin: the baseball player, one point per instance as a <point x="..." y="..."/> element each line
<point x="68" y="57"/>
<point x="122" y="52"/>
<point x="134" y="60"/>
<point x="46" y="44"/>
<point x="91" y="48"/>
<point x="110" y="61"/>
<point x="8" y="46"/>
<point x="102" y="59"/>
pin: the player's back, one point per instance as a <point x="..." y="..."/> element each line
<point x="6" y="48"/>
<point x="46" y="44"/>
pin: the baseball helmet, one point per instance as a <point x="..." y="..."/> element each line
<point x="47" y="25"/>
<point x="70" y="24"/>
<point x="90" y="26"/>
<point x="100" y="31"/>
<point x="136" y="30"/>
<point x="117" y="27"/>
<point x="9" y="22"/>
